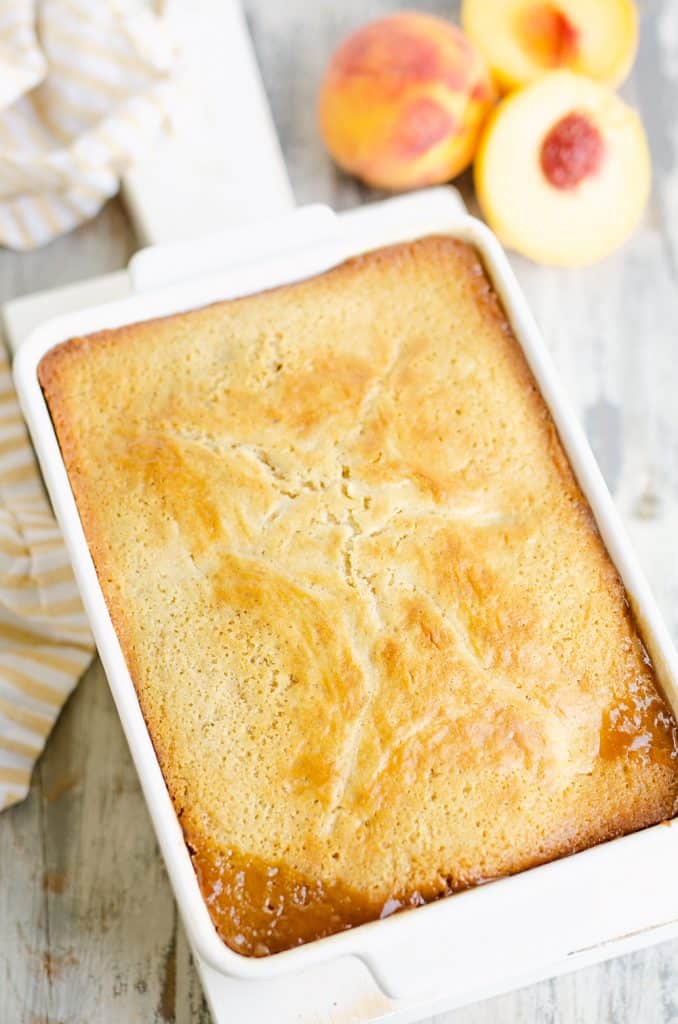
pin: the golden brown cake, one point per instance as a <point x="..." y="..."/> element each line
<point x="381" y="650"/>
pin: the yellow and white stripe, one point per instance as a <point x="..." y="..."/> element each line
<point x="45" y="643"/>
<point x="85" y="89"/>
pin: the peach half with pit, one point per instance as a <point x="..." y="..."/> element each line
<point x="403" y="102"/>
<point x="563" y="171"/>
<point x="522" y="39"/>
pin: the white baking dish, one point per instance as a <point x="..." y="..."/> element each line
<point x="539" y="918"/>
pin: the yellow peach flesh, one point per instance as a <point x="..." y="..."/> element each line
<point x="521" y="39"/>
<point x="591" y="194"/>
<point x="548" y="35"/>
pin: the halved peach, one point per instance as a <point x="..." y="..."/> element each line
<point x="521" y="39"/>
<point x="563" y="171"/>
<point x="403" y="102"/>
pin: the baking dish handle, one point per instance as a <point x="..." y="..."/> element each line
<point x="164" y="264"/>
<point x="521" y="927"/>
<point x="157" y="266"/>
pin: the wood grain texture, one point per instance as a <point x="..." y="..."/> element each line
<point x="88" y="927"/>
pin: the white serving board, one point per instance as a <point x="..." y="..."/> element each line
<point x="221" y="164"/>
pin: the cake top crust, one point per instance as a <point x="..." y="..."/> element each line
<point x="381" y="650"/>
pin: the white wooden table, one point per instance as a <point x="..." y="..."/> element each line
<point x="88" y="927"/>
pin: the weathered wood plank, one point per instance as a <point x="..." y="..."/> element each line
<point x="23" y="918"/>
<point x="111" y="920"/>
<point x="88" y="929"/>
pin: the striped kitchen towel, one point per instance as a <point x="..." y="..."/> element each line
<point x="45" y="643"/>
<point x="85" y="89"/>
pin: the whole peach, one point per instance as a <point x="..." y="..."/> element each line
<point x="403" y="102"/>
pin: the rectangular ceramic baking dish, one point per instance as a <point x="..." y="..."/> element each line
<point x="624" y="889"/>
